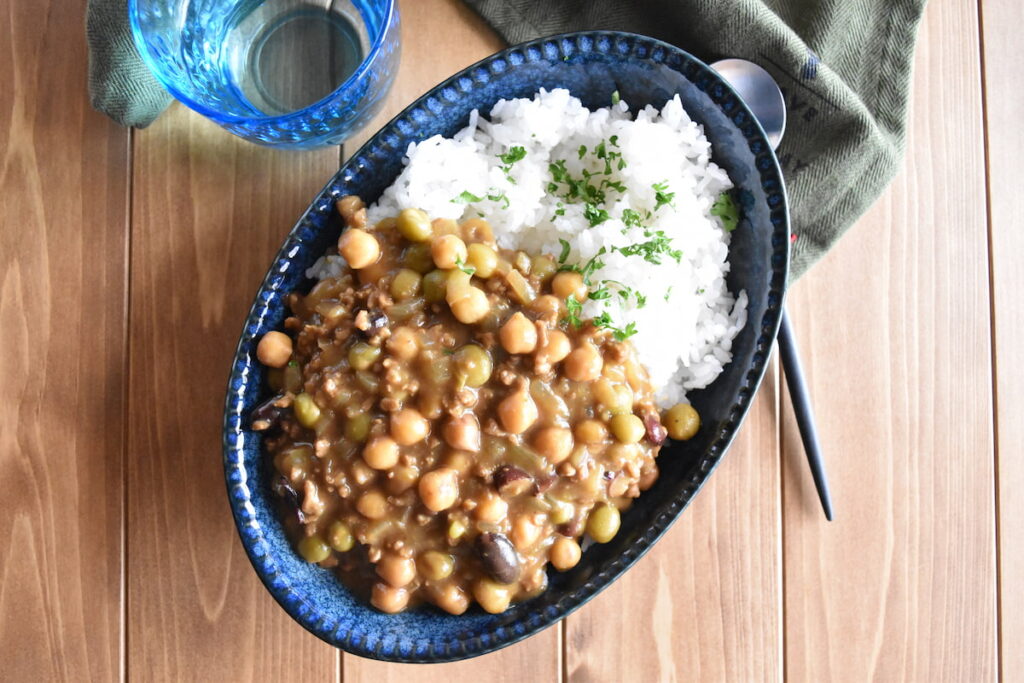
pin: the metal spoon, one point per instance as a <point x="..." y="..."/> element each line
<point x="764" y="97"/>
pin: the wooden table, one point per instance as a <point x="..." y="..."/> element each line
<point x="128" y="261"/>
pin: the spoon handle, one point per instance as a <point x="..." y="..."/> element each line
<point x="800" y="398"/>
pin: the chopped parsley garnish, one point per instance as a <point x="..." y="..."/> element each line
<point x="465" y="197"/>
<point x="467" y="269"/>
<point x="510" y="157"/>
<point x="565" y="251"/>
<point x="573" y="308"/>
<point x="594" y="215"/>
<point x="668" y="293"/>
<point x="725" y="208"/>
<point x="615" y="97"/>
<point x="653" y="249"/>
<point x="582" y="151"/>
<point x="513" y="155"/>
<point x="661" y="197"/>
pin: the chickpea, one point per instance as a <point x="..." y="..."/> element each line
<point x="460" y="461"/>
<point x="463" y="432"/>
<point x="617" y="398"/>
<point x="627" y="427"/>
<point x="401" y="479"/>
<point x="569" y="283"/>
<point x="518" y="411"/>
<point x="483" y="259"/>
<point x="492" y="596"/>
<point x="406" y="284"/>
<point x="469" y="305"/>
<point x="348" y="206"/>
<point x="451" y="599"/>
<point x="561" y="511"/>
<point x="565" y="553"/>
<point x="274" y="349"/>
<point x="398" y="571"/>
<point x="591" y="431"/>
<point x="477" y="230"/>
<point x="445" y="226"/>
<point x="359" y="248"/>
<point x="555" y="348"/>
<point x="408" y="426"/>
<point x="682" y="422"/>
<point x="518" y="334"/>
<point x="439" y="489"/>
<point x="403" y="343"/>
<point x="449" y="251"/>
<point x="362" y="474"/>
<point x="414" y="225"/>
<point x="313" y="549"/>
<point x="435" y="565"/>
<point x="603" y="523"/>
<point x="584" y="363"/>
<point x="372" y="505"/>
<point x="340" y="537"/>
<point x="554" y="443"/>
<point x="381" y="453"/>
<point x="388" y="598"/>
<point x="490" y="508"/>
<point x="525" y="532"/>
<point x="547" y="306"/>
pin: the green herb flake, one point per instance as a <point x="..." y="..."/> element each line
<point x="582" y="151"/>
<point x="626" y="333"/>
<point x="467" y="197"/>
<point x="594" y="215"/>
<point x="661" y="197"/>
<point x="565" y="251"/>
<point x="615" y="97"/>
<point x="499" y="197"/>
<point x="467" y="269"/>
<point x="513" y="155"/>
<point x="573" y="308"/>
<point x="668" y="293"/>
<point x="726" y="210"/>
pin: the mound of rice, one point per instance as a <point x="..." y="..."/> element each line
<point x="656" y="248"/>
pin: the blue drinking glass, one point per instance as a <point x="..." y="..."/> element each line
<point x="283" y="73"/>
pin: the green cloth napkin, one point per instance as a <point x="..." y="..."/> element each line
<point x="844" y="66"/>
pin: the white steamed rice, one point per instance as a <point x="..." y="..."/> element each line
<point x="684" y="332"/>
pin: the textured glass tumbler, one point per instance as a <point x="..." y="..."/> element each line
<point x="283" y="73"/>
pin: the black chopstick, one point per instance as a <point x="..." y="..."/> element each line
<point x="800" y="397"/>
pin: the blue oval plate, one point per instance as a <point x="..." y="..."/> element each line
<point x="592" y="66"/>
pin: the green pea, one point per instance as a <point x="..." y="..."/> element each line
<point x="417" y="257"/>
<point x="357" y="427"/>
<point x="682" y="422"/>
<point x="627" y="427"/>
<point x="436" y="565"/>
<point x="340" y="537"/>
<point x="406" y="284"/>
<point x="603" y="523"/>
<point x="543" y="267"/>
<point x="313" y="549"/>
<point x="474" y="364"/>
<point x="561" y="512"/>
<point x="362" y="355"/>
<point x="307" y="412"/>
<point x="435" y="286"/>
<point x="414" y="225"/>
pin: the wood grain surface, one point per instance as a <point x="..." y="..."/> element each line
<point x="1004" y="101"/>
<point x="128" y="262"/>
<point x="894" y="328"/>
<point x="63" y="240"/>
<point x="209" y="210"/>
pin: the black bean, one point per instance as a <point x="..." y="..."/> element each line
<point x="267" y="414"/>
<point x="498" y="557"/>
<point x="283" y="489"/>
<point x="512" y="481"/>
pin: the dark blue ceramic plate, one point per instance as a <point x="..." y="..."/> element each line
<point x="592" y="66"/>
